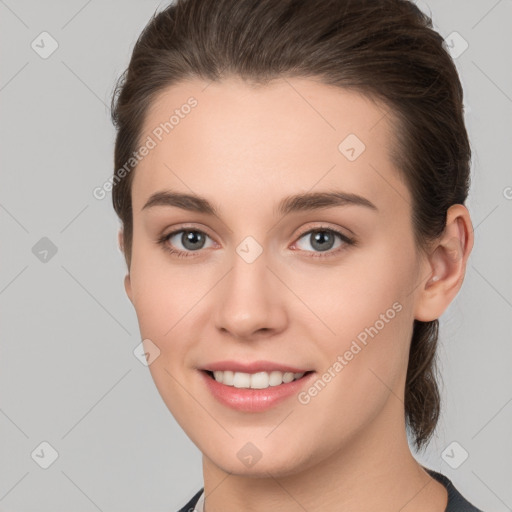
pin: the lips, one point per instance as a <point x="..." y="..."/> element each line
<point x="244" y="386"/>
<point x="254" y="400"/>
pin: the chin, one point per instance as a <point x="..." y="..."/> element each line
<point x="276" y="464"/>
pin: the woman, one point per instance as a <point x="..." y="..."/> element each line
<point x="249" y="135"/>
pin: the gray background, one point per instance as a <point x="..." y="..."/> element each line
<point x="68" y="375"/>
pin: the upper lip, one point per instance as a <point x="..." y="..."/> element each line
<point x="253" y="367"/>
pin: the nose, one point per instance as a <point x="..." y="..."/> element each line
<point x="250" y="303"/>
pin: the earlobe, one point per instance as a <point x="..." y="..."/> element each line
<point x="446" y="265"/>
<point x="127" y="280"/>
<point x="128" y="287"/>
<point x="120" y="240"/>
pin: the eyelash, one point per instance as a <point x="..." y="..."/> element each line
<point x="327" y="254"/>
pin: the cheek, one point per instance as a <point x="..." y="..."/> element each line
<point x="162" y="293"/>
<point x="170" y="303"/>
<point x="367" y="289"/>
<point x="364" y="369"/>
<point x="164" y="300"/>
<point x="370" y="319"/>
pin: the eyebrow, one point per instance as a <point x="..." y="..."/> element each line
<point x="297" y="203"/>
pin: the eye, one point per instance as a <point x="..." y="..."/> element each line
<point x="183" y="243"/>
<point x="191" y="240"/>
<point x="323" y="239"/>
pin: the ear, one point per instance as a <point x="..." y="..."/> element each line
<point x="445" y="266"/>
<point x="120" y="240"/>
<point x="127" y="281"/>
<point x="128" y="287"/>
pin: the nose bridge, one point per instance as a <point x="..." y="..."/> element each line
<point x="250" y="301"/>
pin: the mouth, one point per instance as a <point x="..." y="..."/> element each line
<point x="258" y="380"/>
<point x="258" y="391"/>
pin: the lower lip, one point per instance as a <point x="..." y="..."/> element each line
<point x="254" y="400"/>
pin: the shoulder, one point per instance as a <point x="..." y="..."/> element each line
<point x="456" y="502"/>
<point x="189" y="507"/>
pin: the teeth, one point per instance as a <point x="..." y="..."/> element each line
<point x="260" y="380"/>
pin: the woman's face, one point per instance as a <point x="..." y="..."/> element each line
<point x="264" y="278"/>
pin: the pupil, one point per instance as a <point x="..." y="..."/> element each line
<point x="192" y="240"/>
<point x="320" y="238"/>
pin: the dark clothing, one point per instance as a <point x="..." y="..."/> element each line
<point x="189" y="507"/>
<point x="456" y="502"/>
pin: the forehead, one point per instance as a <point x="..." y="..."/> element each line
<point x="242" y="142"/>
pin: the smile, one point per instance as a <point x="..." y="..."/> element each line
<point x="254" y="392"/>
<point x="258" y="380"/>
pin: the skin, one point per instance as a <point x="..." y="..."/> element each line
<point x="244" y="148"/>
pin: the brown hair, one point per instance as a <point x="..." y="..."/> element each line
<point x="386" y="49"/>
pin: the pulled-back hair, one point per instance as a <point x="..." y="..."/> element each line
<point x="386" y="49"/>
